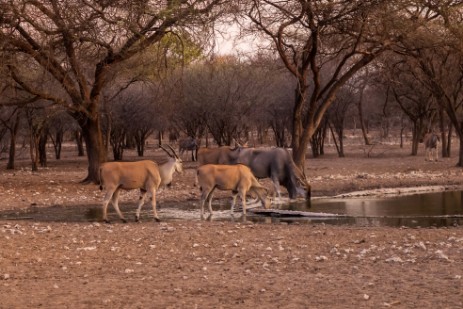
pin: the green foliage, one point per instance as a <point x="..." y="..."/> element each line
<point x="174" y="51"/>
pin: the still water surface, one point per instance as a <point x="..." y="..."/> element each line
<point x="428" y="209"/>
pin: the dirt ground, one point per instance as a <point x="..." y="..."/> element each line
<point x="67" y="260"/>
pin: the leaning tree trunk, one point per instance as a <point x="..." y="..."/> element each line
<point x="338" y="142"/>
<point x="299" y="151"/>
<point x="335" y="140"/>
<point x="305" y="125"/>
<point x="300" y="136"/>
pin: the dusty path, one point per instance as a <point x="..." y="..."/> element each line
<point x="228" y="265"/>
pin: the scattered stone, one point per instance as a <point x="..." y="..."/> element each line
<point x="394" y="259"/>
<point x="440" y="254"/>
<point x="87" y="248"/>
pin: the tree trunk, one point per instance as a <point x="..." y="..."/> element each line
<point x="140" y="148"/>
<point x="360" y="113"/>
<point x="416" y="136"/>
<point x="445" y="154"/>
<point x="460" y="155"/>
<point x="160" y="138"/>
<point x="12" y="151"/>
<point x="117" y="140"/>
<point x="57" y="145"/>
<point x="316" y="144"/>
<point x="141" y="136"/>
<point x="206" y="137"/>
<point x="42" y="147"/>
<point x="34" y="151"/>
<point x="335" y="141"/>
<point x="449" y="140"/>
<point x="402" y="137"/>
<point x="300" y="137"/>
<point x="96" y="152"/>
<point x="341" y="142"/>
<point x="80" y="143"/>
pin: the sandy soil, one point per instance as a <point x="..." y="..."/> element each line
<point x="53" y="256"/>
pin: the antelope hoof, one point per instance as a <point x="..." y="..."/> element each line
<point x="106" y="221"/>
<point x="124" y="220"/>
<point x="137" y="218"/>
<point x="156" y="219"/>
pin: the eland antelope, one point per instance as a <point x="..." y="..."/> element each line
<point x="145" y="175"/>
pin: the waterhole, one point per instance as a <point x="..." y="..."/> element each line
<point x="417" y="210"/>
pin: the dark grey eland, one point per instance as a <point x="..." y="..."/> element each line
<point x="189" y="144"/>
<point x="276" y="164"/>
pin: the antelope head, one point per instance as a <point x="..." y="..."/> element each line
<point x="178" y="165"/>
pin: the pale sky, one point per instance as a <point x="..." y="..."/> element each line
<point x="227" y="41"/>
